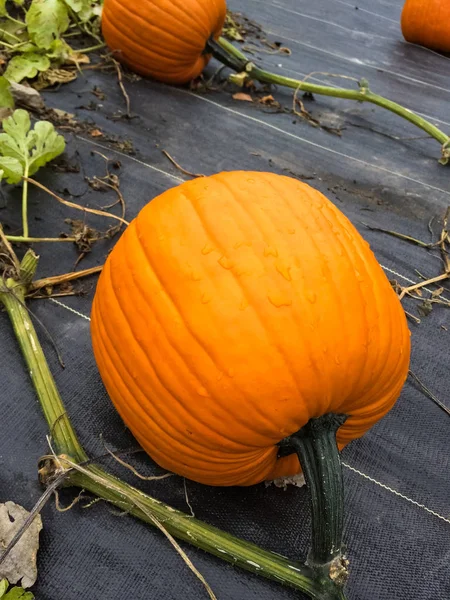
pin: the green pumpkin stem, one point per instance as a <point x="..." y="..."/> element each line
<point x="316" y="447"/>
<point x="226" y="53"/>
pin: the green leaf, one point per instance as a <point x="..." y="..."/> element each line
<point x="85" y="9"/>
<point x="12" y="170"/>
<point x="49" y="145"/>
<point x="23" y="148"/>
<point x="3" y="11"/>
<point x="15" y="593"/>
<point x="46" y="20"/>
<point x="6" y="99"/>
<point x="13" y="142"/>
<point x="26" y="66"/>
<point x="18" y="593"/>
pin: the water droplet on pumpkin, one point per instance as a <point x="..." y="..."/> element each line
<point x="201" y="391"/>
<point x="291" y="231"/>
<point x="225" y="262"/>
<point x="340" y="250"/>
<point x="284" y="271"/>
<point x="230" y="372"/>
<point x="250" y="181"/>
<point x="270" y="251"/>
<point x="242" y="243"/>
<point x="337" y="360"/>
<point x="207" y="249"/>
<point x="359" y="277"/>
<point x="205" y="298"/>
<point x="195" y="276"/>
<point x="278" y="299"/>
<point x="311" y="296"/>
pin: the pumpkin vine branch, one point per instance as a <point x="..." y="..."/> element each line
<point x="225" y="52"/>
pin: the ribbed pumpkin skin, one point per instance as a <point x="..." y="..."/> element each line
<point x="232" y="310"/>
<point x="162" y="39"/>
<point x="427" y="22"/>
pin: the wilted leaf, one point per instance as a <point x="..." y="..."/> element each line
<point x="436" y="293"/>
<point x="425" y="308"/>
<point x="54" y="76"/>
<point x="269" y="101"/>
<point x="46" y="20"/>
<point x="26" y="65"/>
<point x="242" y="97"/>
<point x="20" y="564"/>
<point x="95" y="133"/>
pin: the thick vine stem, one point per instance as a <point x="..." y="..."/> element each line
<point x="316" y="447"/>
<point x="225" y="52"/>
<point x="73" y="465"/>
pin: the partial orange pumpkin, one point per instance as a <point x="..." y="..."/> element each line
<point x="233" y="309"/>
<point x="427" y="22"/>
<point x="162" y="39"/>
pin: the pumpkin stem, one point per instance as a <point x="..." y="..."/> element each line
<point x="316" y="447"/>
<point x="225" y="52"/>
<point x="237" y="63"/>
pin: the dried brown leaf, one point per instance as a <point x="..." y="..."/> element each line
<point x="20" y="564"/>
<point x="242" y="97"/>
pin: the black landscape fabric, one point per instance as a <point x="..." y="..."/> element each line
<point x="380" y="171"/>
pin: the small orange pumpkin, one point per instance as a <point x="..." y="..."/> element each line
<point x="235" y="308"/>
<point x="163" y="39"/>
<point x="427" y="22"/>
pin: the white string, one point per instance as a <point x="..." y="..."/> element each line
<point x="359" y="62"/>
<point x="368" y="11"/>
<point x="305" y="16"/>
<point x="310" y="143"/>
<point x="389" y="489"/>
<point x="133" y="158"/>
<point x="69" y="308"/>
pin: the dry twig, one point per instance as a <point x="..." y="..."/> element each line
<point x="428" y="393"/>
<point x="59" y="279"/>
<point x="122" y="87"/>
<point x="72" y="204"/>
<point x="134" y="471"/>
<point x="180" y="168"/>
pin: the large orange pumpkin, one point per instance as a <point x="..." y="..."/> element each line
<point x="235" y="308"/>
<point x="163" y="39"/>
<point x="427" y="22"/>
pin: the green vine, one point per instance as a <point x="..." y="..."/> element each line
<point x="229" y="55"/>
